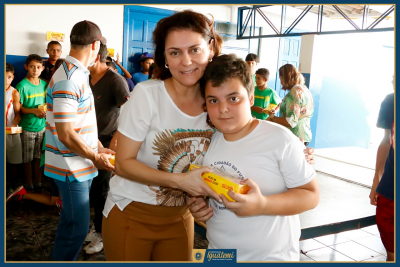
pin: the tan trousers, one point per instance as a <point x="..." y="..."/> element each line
<point x="143" y="232"/>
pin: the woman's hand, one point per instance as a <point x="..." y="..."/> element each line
<point x="192" y="183"/>
<point x="198" y="208"/>
<point x="309" y="151"/>
<point x="252" y="203"/>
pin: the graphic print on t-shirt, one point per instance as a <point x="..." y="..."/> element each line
<point x="177" y="150"/>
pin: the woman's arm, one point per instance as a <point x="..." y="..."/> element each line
<point x="127" y="166"/>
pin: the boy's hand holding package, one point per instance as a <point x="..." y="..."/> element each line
<point x="250" y="204"/>
<point x="40" y="113"/>
<point x="192" y="183"/>
<point x="257" y="109"/>
<point x="199" y="209"/>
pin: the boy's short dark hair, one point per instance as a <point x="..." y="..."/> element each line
<point x="111" y="65"/>
<point x="226" y="67"/>
<point x="103" y="52"/>
<point x="9" y="68"/>
<point x="263" y="72"/>
<point x="53" y="43"/>
<point x="252" y="57"/>
<point x="109" y="59"/>
<point x="35" y="57"/>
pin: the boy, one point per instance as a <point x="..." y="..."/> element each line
<point x="263" y="96"/>
<point x="252" y="61"/>
<point x="263" y="225"/>
<point x="33" y="92"/>
<point x="145" y="61"/>
<point x="54" y="51"/>
<point x="13" y="117"/>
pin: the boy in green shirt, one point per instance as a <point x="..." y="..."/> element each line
<point x="33" y="121"/>
<point x="263" y="96"/>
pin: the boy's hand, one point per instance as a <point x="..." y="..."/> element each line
<point x="198" y="208"/>
<point x="257" y="109"/>
<point x="271" y="112"/>
<point x="39" y="113"/>
<point x="117" y="60"/>
<point x="252" y="203"/>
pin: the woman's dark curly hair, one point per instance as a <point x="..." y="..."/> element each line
<point x="223" y="68"/>
<point x="181" y="20"/>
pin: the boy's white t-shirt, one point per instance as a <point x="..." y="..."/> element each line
<point x="273" y="157"/>
<point x="172" y="140"/>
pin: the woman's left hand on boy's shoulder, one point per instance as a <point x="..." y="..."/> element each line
<point x="249" y="204"/>
<point x="309" y="152"/>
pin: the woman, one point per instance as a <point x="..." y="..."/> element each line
<point x="162" y="130"/>
<point x="297" y="107"/>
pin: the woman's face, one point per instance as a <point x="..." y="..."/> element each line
<point x="187" y="54"/>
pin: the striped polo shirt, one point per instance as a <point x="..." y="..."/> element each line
<point x="70" y="99"/>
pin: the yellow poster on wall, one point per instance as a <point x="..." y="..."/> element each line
<point x="55" y="36"/>
<point x="110" y="52"/>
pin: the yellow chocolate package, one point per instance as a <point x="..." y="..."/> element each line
<point x="221" y="182"/>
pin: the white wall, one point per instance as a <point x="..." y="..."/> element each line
<point x="306" y="52"/>
<point x="27" y="25"/>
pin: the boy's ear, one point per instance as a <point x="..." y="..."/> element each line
<point x="25" y="66"/>
<point x="251" y="100"/>
<point x="43" y="68"/>
<point x="47" y="51"/>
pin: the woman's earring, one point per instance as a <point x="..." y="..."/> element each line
<point x="210" y="60"/>
<point x="166" y="66"/>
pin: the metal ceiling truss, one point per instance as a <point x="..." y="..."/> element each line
<point x="251" y="18"/>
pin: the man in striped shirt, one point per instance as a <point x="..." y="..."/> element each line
<point x="73" y="151"/>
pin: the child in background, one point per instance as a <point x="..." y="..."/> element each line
<point x="54" y="51"/>
<point x="263" y="96"/>
<point x="33" y="92"/>
<point x="13" y="117"/>
<point x="263" y="225"/>
<point x="252" y="61"/>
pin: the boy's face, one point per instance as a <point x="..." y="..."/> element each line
<point x="252" y="65"/>
<point x="228" y="105"/>
<point x="34" y="68"/>
<point x="260" y="80"/>
<point x="146" y="64"/>
<point x="9" y="79"/>
<point x="54" y="52"/>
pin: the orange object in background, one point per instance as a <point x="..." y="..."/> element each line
<point x="43" y="107"/>
<point x="112" y="160"/>
<point x="13" y="130"/>
<point x="221" y="183"/>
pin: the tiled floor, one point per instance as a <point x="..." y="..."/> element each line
<point x="30" y="230"/>
<point x="357" y="245"/>
<point x="30" y="233"/>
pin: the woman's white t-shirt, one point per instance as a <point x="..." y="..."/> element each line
<point x="172" y="140"/>
<point x="273" y="157"/>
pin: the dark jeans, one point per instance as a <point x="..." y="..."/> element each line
<point x="74" y="219"/>
<point x="98" y="195"/>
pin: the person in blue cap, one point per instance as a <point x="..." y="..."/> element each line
<point x="145" y="61"/>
